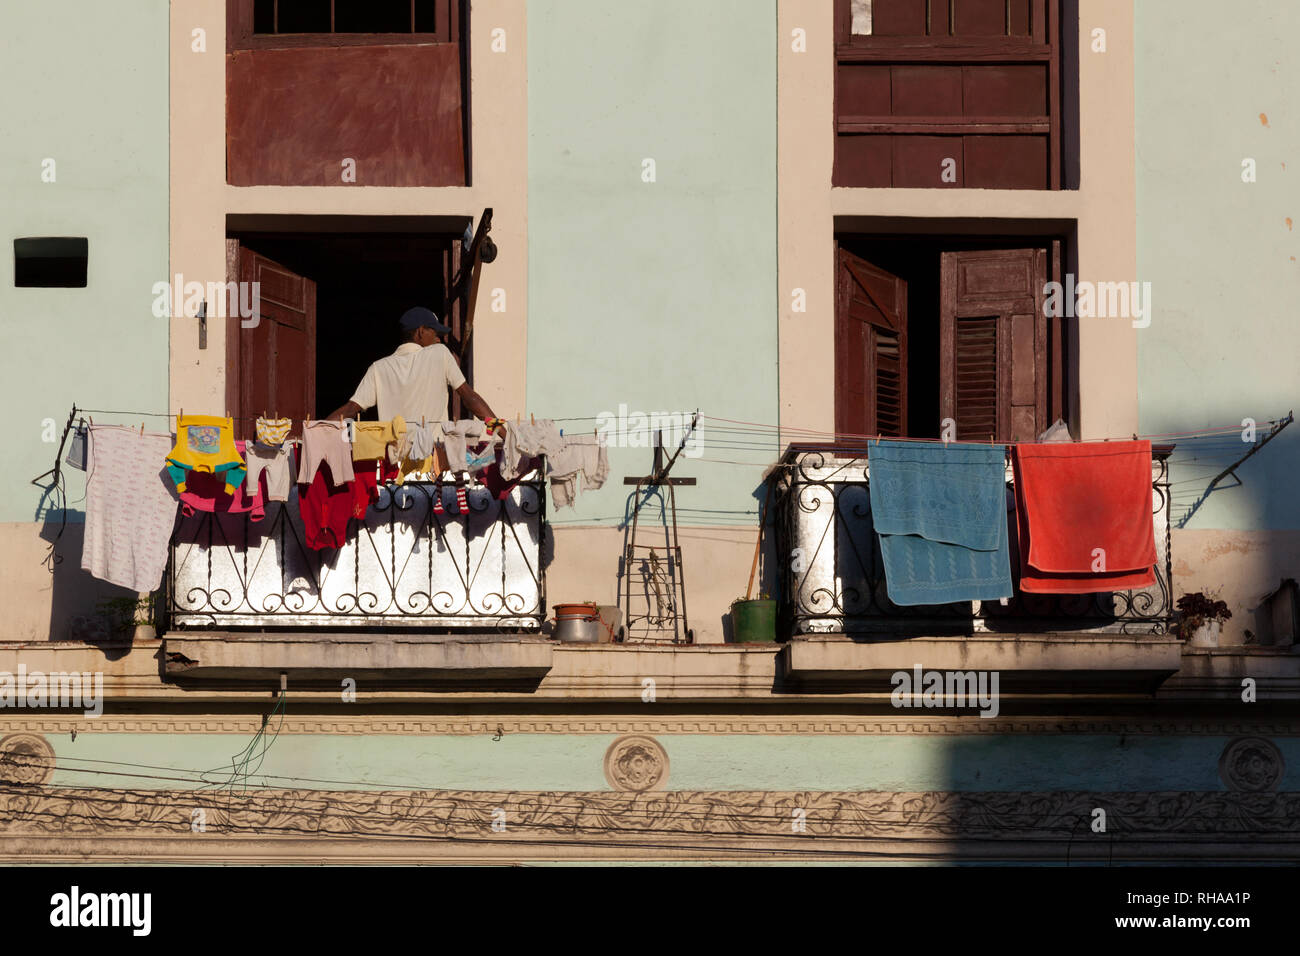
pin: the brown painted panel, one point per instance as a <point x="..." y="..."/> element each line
<point x="1040" y="27"/>
<point x="980" y="18"/>
<point x="1007" y="162"/>
<point x="918" y="161"/>
<point x="926" y="90"/>
<point x="1023" y="424"/>
<point x="1005" y="90"/>
<point x="1055" y="345"/>
<point x="862" y="89"/>
<point x="984" y="274"/>
<point x="863" y="160"/>
<point x="1024" y="386"/>
<point x="898" y="18"/>
<point x="277" y="355"/>
<point x="294" y="115"/>
<point x="1020" y="16"/>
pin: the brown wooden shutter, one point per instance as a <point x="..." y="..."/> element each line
<point x="271" y="367"/>
<point x="971" y="88"/>
<point x="993" y="374"/>
<point x="870" y="349"/>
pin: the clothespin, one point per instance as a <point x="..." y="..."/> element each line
<point x="142" y="429"/>
<point x="533" y="417"/>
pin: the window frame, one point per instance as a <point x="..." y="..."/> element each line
<point x="240" y="35"/>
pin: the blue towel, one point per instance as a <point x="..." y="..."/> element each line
<point x="941" y="515"/>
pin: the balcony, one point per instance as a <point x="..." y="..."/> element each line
<point x="404" y="566"/>
<point x="832" y="577"/>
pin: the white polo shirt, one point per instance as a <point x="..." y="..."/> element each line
<point x="412" y="382"/>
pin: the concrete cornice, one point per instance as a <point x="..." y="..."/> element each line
<point x="1054" y="673"/>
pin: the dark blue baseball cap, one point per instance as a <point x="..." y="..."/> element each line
<point x="420" y="316"/>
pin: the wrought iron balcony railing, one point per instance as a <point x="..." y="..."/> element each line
<point x="403" y="566"/>
<point x="832" y="577"/>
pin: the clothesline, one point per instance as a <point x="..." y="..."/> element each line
<point x="762" y="428"/>
<point x="759" y="428"/>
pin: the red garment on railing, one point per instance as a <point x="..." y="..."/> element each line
<point x="1084" y="516"/>
<point x="325" y="509"/>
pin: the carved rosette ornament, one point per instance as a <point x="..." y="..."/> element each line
<point x="26" y="760"/>
<point x="636" y="763"/>
<point x="1251" y="764"/>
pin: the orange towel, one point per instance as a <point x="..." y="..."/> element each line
<point x="1084" y="517"/>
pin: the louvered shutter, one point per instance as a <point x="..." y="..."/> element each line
<point x="993" y="374"/>
<point x="870" y="349"/>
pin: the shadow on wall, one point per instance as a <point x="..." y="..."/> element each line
<point x="83" y="608"/>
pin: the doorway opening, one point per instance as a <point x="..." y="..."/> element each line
<point x="935" y="329"/>
<point x="329" y="305"/>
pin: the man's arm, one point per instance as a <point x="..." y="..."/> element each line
<point x="472" y="401"/>
<point x="347" y="410"/>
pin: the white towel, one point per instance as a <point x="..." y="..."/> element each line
<point x="581" y="462"/>
<point x="130" y="507"/>
<point x="524" y="441"/>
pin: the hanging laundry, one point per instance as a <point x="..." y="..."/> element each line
<point x="277" y="463"/>
<point x="1084" y="517"/>
<point x="324" y="442"/>
<point x="457" y="437"/>
<point x="365" y="486"/>
<point x="423" y="455"/>
<point x="205" y="492"/>
<point x="273" y="431"/>
<point x="534" y="438"/>
<point x="581" y="462"/>
<point x="130" y="508"/>
<point x="480" y="456"/>
<point x="371" y="440"/>
<point x="941" y="514"/>
<point x="422" y="440"/>
<point x="500" y="487"/>
<point x="76" y="457"/>
<point x="205" y="443"/>
<point x="325" y="507"/>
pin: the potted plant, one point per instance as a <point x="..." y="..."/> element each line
<point x="753" y="621"/>
<point x="1203" y="618"/>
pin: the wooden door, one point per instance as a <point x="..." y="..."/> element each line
<point x="994" y="370"/>
<point x="270" y="364"/>
<point x="870" y="349"/>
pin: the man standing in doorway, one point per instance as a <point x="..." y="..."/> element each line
<point x="413" y="381"/>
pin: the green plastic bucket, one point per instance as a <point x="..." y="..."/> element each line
<point x="753" y="622"/>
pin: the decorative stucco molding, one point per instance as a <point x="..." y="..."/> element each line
<point x="636" y="763"/>
<point x="669" y="724"/>
<point x="652" y="815"/>
<point x="1252" y="764"/>
<point x="25" y="760"/>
